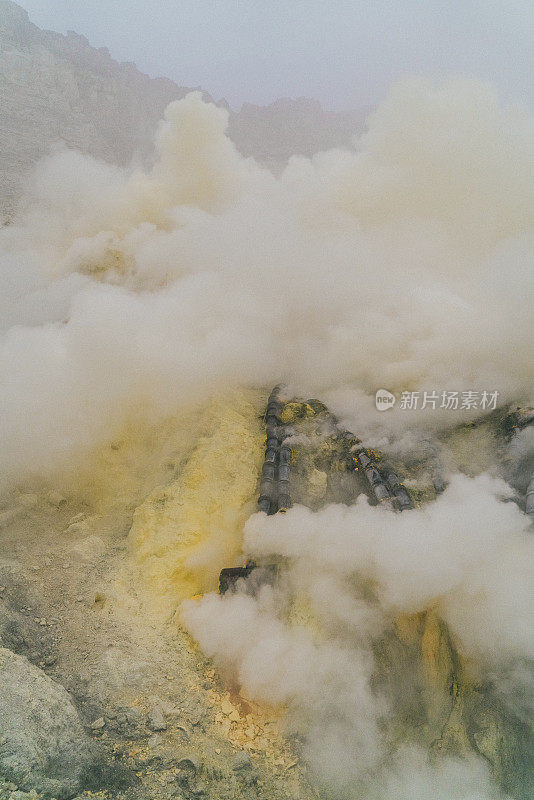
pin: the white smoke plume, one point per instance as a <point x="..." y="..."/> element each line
<point x="405" y="263"/>
<point x="469" y="556"/>
<point x="456" y="554"/>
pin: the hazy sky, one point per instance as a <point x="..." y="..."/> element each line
<point x="343" y="52"/>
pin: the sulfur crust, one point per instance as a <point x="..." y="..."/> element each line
<point x="185" y="532"/>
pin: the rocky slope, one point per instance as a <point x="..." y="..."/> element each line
<point x="56" y="88"/>
<point x="101" y="634"/>
<point x="59" y="88"/>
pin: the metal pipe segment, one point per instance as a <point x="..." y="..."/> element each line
<point x="274" y="486"/>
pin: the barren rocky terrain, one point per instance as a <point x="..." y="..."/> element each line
<point x="144" y="714"/>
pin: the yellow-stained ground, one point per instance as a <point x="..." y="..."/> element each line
<point x="186" y="531"/>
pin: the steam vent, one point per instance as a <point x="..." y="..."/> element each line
<point x="430" y="694"/>
<point x="435" y="700"/>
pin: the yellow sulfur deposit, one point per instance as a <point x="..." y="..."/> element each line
<point x="185" y="532"/>
<point x="294" y="410"/>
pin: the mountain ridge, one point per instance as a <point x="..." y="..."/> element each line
<point x="58" y="88"/>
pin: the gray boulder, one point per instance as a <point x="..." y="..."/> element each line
<point x="43" y="745"/>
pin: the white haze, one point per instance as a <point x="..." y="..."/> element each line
<point x="405" y="263"/>
<point x="345" y="53"/>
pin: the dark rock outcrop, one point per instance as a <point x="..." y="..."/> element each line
<point x="43" y="745"/>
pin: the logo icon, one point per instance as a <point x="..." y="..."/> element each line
<point x="384" y="400"/>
